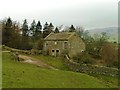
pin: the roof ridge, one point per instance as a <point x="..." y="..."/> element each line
<point x="71" y="35"/>
<point x="60" y="36"/>
<point x="48" y="35"/>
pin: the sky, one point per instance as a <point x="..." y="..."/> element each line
<point x="86" y="13"/>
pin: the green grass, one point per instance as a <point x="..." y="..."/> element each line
<point x="53" y="61"/>
<point x="20" y="75"/>
<point x="109" y="80"/>
<point x="60" y="64"/>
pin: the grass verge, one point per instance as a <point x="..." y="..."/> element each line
<point x="20" y="75"/>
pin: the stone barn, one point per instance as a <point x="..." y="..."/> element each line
<point x="56" y="44"/>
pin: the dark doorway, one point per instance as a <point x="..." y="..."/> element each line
<point x="53" y="52"/>
<point x="57" y="53"/>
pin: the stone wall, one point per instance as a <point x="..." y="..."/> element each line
<point x="92" y="69"/>
<point x="21" y="51"/>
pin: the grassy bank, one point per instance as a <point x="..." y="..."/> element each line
<point x="56" y="62"/>
<point x="20" y="75"/>
<point x="110" y="81"/>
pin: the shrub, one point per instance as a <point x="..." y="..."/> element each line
<point x="110" y="55"/>
<point x="44" y="52"/>
<point x="83" y="58"/>
<point x="64" y="53"/>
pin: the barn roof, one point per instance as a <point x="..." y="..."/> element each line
<point x="59" y="36"/>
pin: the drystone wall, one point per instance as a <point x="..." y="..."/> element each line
<point x="92" y="69"/>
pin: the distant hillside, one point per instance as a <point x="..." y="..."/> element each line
<point x="111" y="31"/>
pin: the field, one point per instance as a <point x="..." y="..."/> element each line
<point x="59" y="63"/>
<point x="56" y="62"/>
<point x="21" y="75"/>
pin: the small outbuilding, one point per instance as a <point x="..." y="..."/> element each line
<point x="56" y="44"/>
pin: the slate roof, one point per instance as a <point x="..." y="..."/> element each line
<point x="59" y="36"/>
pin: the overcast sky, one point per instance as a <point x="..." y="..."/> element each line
<point x="86" y="13"/>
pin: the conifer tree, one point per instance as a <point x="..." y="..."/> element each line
<point x="25" y="28"/>
<point x="38" y="31"/>
<point x="56" y="30"/>
<point x="7" y="32"/>
<point x="72" y="28"/>
<point x="47" y="29"/>
<point x="32" y="28"/>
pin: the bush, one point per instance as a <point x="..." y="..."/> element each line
<point x="44" y="52"/>
<point x="35" y="51"/>
<point x="110" y="55"/>
<point x="83" y="58"/>
<point x="64" y="53"/>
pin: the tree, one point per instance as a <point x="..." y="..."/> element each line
<point x="47" y="29"/>
<point x="99" y="41"/>
<point x="25" y="28"/>
<point x="25" y="37"/>
<point x="32" y="28"/>
<point x="72" y="28"/>
<point x="38" y="31"/>
<point x="110" y="54"/>
<point x="84" y="34"/>
<point x="16" y="36"/>
<point x="80" y="31"/>
<point x="45" y="26"/>
<point x="56" y="30"/>
<point x="50" y="28"/>
<point x="7" y="32"/>
<point x="11" y="33"/>
<point x="38" y="45"/>
<point x="38" y="37"/>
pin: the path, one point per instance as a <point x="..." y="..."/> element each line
<point x="31" y="60"/>
<point x="6" y="51"/>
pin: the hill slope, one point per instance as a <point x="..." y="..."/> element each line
<point x="20" y="75"/>
<point x="111" y="31"/>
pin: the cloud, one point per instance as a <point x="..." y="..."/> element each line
<point x="89" y="13"/>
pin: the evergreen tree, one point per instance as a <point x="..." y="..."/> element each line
<point x="25" y="37"/>
<point x="56" y="30"/>
<point x="32" y="28"/>
<point x="47" y="29"/>
<point x="9" y="23"/>
<point x="25" y="28"/>
<point x="7" y="32"/>
<point x="38" y="37"/>
<point x="45" y="26"/>
<point x="38" y="29"/>
<point x="72" y="28"/>
<point x="51" y="25"/>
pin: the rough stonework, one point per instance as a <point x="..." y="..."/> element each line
<point x="65" y="42"/>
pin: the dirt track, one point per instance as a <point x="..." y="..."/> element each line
<point x="31" y="60"/>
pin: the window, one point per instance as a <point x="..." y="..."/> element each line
<point x="46" y="44"/>
<point x="57" y="50"/>
<point x="57" y="53"/>
<point x="82" y="50"/>
<point x="53" y="50"/>
<point x="55" y="43"/>
<point x="65" y="45"/>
